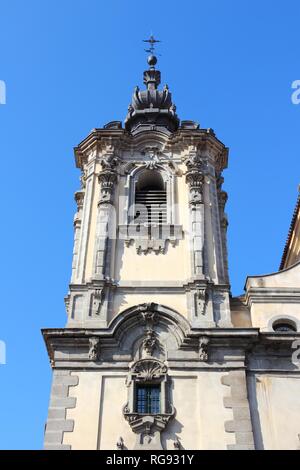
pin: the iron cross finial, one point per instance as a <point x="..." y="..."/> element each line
<point x="152" y="42"/>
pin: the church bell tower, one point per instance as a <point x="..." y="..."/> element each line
<point x="148" y="353"/>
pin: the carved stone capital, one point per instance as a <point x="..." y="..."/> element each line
<point x="107" y="179"/>
<point x="79" y="198"/>
<point x="195" y="180"/>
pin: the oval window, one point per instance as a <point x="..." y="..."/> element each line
<point x="284" y="326"/>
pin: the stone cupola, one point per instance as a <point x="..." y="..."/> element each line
<point x="151" y="109"/>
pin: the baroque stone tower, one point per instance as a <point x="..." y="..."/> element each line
<point x="149" y="358"/>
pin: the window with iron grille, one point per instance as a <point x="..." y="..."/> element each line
<point x="150" y="199"/>
<point x="148" y="399"/>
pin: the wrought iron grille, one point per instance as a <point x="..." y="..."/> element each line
<point x="148" y="399"/>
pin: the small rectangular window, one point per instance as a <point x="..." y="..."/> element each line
<point x="148" y="399"/>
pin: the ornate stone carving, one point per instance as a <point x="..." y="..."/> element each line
<point x="67" y="303"/>
<point x="149" y="317"/>
<point x="148" y="427"/>
<point x="107" y="180"/>
<point x="120" y="443"/>
<point x="149" y="342"/>
<point x="195" y="180"/>
<point x="79" y="198"/>
<point x="94" y="349"/>
<point x="201" y="300"/>
<point x="203" y="348"/>
<point x="222" y="196"/>
<point x="83" y="178"/>
<point x="109" y="162"/>
<point x="176" y="443"/>
<point x="147" y="306"/>
<point x="149" y="369"/>
<point x="153" y="154"/>
<point x="194" y="161"/>
<point x="97" y="301"/>
<point x="195" y="175"/>
<point x="151" y="238"/>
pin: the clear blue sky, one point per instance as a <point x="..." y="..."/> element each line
<point x="70" y="66"/>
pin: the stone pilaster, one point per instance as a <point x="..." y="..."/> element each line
<point x="195" y="181"/>
<point x="60" y="401"/>
<point x="222" y="199"/>
<point x="238" y="401"/>
<point x="105" y="218"/>
<point x="79" y="197"/>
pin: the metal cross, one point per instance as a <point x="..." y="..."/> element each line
<point x="151" y="41"/>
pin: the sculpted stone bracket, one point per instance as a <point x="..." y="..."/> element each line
<point x="148" y="427"/>
<point x="150" y="238"/>
<point x="203" y="348"/>
<point x="94" y="349"/>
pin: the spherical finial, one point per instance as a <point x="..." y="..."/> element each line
<point x="152" y="60"/>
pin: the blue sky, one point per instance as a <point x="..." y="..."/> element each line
<point x="70" y="66"/>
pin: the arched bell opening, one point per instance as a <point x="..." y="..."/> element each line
<point x="150" y="199"/>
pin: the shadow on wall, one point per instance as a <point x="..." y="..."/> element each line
<point x="252" y="395"/>
<point x="174" y="428"/>
<point x="172" y="434"/>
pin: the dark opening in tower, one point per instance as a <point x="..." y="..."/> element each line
<point x="150" y="199"/>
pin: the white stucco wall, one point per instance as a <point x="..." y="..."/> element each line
<point x="277" y="404"/>
<point x="197" y="397"/>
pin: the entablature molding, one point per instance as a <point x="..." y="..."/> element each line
<point x="115" y="140"/>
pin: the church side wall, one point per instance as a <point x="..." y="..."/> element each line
<point x="200" y="414"/>
<point x="275" y="409"/>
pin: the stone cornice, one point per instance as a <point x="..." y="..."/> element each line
<point x="288" y="243"/>
<point x="272" y="295"/>
<point x="77" y="339"/>
<point x="228" y="348"/>
<point x="178" y="141"/>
